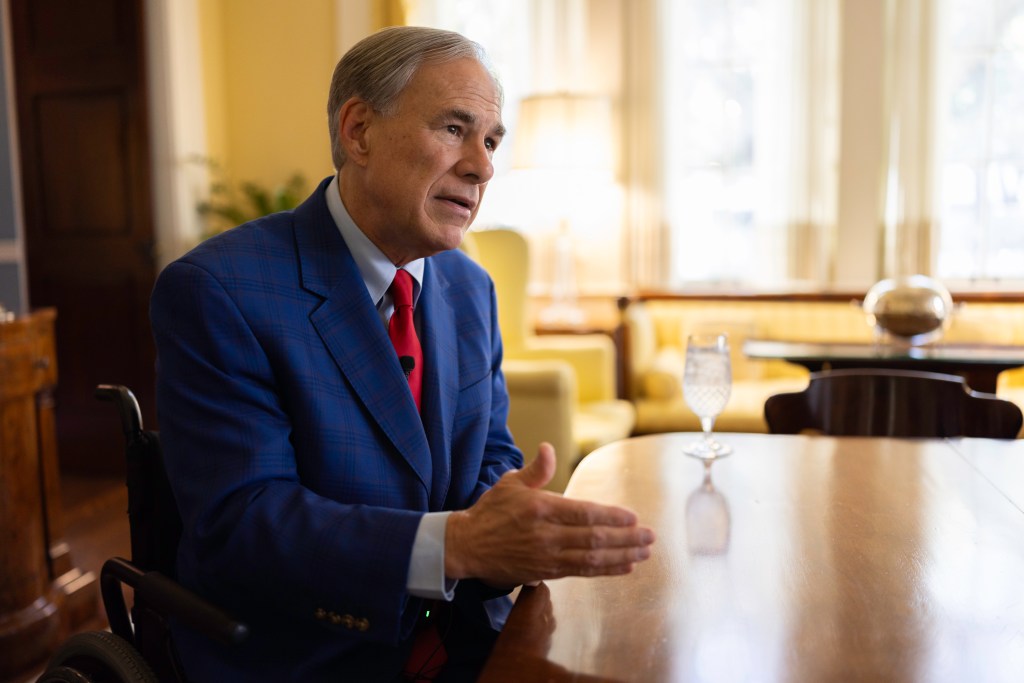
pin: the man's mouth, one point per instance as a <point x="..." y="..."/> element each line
<point x="464" y="202"/>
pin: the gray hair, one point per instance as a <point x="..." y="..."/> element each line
<point x="379" y="67"/>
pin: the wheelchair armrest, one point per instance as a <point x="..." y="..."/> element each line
<point x="168" y="598"/>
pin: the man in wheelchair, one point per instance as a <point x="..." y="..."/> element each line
<point x="332" y="405"/>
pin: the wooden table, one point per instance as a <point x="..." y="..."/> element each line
<point x="979" y="364"/>
<point x="797" y="558"/>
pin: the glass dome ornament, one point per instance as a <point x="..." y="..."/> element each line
<point x="913" y="309"/>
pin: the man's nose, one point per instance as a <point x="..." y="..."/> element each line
<point x="476" y="163"/>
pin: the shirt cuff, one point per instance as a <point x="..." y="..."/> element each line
<point x="426" y="566"/>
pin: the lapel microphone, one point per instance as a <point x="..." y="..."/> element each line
<point x="408" y="363"/>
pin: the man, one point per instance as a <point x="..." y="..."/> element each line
<point x="338" y="482"/>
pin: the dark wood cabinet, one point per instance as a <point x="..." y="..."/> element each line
<point x="42" y="595"/>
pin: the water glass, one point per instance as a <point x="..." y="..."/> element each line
<point x="707" y="384"/>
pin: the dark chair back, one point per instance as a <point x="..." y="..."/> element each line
<point x="905" y="403"/>
<point x="152" y="512"/>
<point x="155" y="528"/>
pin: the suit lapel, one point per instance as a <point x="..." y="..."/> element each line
<point x="348" y="323"/>
<point x="440" y="377"/>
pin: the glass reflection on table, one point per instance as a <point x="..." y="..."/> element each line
<point x="707" y="518"/>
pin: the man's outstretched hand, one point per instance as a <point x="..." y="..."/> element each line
<point x="519" y="533"/>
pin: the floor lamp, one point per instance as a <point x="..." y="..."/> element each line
<point x="566" y="138"/>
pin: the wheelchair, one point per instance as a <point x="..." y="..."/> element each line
<point x="139" y="648"/>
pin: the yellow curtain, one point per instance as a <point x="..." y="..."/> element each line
<point x="910" y="124"/>
<point x="646" y="240"/>
<point x="810" y="184"/>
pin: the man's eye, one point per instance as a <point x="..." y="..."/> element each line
<point x="454" y="130"/>
<point x="490" y="144"/>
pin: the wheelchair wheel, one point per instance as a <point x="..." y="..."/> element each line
<point x="63" y="674"/>
<point x="97" y="657"/>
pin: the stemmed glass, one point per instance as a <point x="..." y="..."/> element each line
<point x="707" y="383"/>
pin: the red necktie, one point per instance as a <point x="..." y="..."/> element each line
<point x="428" y="654"/>
<point x="402" y="331"/>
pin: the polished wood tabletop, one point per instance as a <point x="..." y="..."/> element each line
<point x="796" y="558"/>
<point x="979" y="364"/>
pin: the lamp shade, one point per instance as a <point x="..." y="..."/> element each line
<point x="564" y="131"/>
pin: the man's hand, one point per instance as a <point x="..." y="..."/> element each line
<point x="518" y="533"/>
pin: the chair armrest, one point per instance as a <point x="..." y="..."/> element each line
<point x="169" y="599"/>
<point x="541" y="405"/>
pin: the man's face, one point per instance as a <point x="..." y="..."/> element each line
<point x="428" y="164"/>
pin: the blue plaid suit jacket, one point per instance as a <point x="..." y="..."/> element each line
<point x="295" y="451"/>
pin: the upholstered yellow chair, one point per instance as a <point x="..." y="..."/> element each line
<point x="561" y="387"/>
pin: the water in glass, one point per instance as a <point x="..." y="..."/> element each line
<point x="707" y="384"/>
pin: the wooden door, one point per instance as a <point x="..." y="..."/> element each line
<point x="85" y="162"/>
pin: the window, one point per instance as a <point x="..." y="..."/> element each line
<point x="774" y="161"/>
<point x="739" y="143"/>
<point x="712" y="66"/>
<point x="981" y="191"/>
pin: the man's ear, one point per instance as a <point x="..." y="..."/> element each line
<point x="354" y="119"/>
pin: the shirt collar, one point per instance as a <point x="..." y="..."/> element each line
<point x="376" y="269"/>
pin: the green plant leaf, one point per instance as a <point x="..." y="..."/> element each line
<point x="227" y="205"/>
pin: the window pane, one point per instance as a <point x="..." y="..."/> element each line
<point x="1005" y="194"/>
<point x="982" y="198"/>
<point x="718" y="111"/>
<point x="1009" y="19"/>
<point x="970" y="24"/>
<point x="715" y="211"/>
<point x="1008" y="105"/>
<point x="725" y="81"/>
<point x="959" y="238"/>
<point x="704" y="31"/>
<point x="965" y="127"/>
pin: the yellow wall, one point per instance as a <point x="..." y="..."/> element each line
<point x="267" y="66"/>
<point x="212" y="68"/>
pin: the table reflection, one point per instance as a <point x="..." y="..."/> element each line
<point x="707" y="518"/>
<point x="531" y="630"/>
